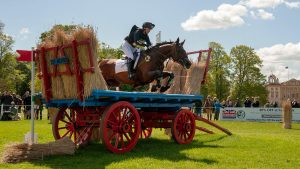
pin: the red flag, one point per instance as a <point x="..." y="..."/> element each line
<point x="25" y="55"/>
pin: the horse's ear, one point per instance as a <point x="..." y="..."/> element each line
<point x="181" y="44"/>
<point x="177" y="41"/>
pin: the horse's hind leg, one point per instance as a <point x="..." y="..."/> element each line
<point x="169" y="82"/>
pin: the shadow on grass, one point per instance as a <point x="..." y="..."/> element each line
<point x="96" y="156"/>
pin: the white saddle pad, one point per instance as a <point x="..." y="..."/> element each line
<point x="121" y="66"/>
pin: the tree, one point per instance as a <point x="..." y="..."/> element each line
<point x="14" y="76"/>
<point x="49" y="34"/>
<point x="6" y="42"/>
<point x="106" y="52"/>
<point x="219" y="71"/>
<point x="1" y="26"/>
<point x="246" y="76"/>
<point x="7" y="62"/>
<point x="24" y="71"/>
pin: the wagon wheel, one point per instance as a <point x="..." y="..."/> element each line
<point x="120" y="127"/>
<point x="146" y="132"/>
<point x="183" y="127"/>
<point x="66" y="123"/>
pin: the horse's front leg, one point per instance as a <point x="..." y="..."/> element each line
<point x="156" y="75"/>
<point x="169" y="82"/>
<point x="157" y="85"/>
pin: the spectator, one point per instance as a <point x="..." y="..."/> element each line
<point x="7" y="100"/>
<point x="217" y="106"/>
<point x="267" y="104"/>
<point x="1" y="98"/>
<point x="197" y="109"/>
<point x="255" y="102"/>
<point x="275" y="104"/>
<point x="295" y="103"/>
<point x="247" y="102"/>
<point x="27" y="104"/>
<point x="208" y="106"/>
<point x="238" y="103"/>
<point x="229" y="102"/>
<point x="38" y="107"/>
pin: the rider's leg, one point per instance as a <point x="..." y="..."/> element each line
<point x="128" y="51"/>
<point x="130" y="64"/>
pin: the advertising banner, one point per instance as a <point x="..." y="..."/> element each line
<point x="256" y="114"/>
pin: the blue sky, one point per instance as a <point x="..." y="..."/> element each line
<point x="271" y="27"/>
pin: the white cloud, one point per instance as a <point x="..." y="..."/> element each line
<point x="24" y="31"/>
<point x="292" y="4"/>
<point x="262" y="14"/>
<point x="225" y="16"/>
<point x="277" y="57"/>
<point x="269" y="3"/>
<point x="280" y="52"/>
<point x="261" y="3"/>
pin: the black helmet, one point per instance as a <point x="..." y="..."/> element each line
<point x="148" y="25"/>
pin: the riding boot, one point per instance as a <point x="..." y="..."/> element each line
<point x="131" y="73"/>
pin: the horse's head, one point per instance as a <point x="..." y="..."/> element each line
<point x="180" y="55"/>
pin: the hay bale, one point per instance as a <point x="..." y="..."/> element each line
<point x="287" y="114"/>
<point x="95" y="134"/>
<point x="63" y="85"/>
<point x="52" y="112"/>
<point x="194" y="78"/>
<point x="15" y="153"/>
<point x="38" y="63"/>
<point x="91" y="80"/>
<point x="56" y="82"/>
<point x="60" y="39"/>
<point x="179" y="79"/>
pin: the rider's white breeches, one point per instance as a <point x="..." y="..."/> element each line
<point x="129" y="50"/>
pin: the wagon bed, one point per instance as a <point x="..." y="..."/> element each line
<point x="137" y="99"/>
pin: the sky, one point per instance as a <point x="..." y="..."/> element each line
<point x="271" y="27"/>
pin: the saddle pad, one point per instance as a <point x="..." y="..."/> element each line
<point x="121" y="66"/>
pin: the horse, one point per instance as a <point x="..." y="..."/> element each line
<point x="149" y="66"/>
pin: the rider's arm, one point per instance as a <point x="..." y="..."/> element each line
<point x="148" y="41"/>
<point x="138" y="40"/>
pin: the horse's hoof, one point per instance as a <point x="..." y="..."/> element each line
<point x="153" y="88"/>
<point x="164" y="88"/>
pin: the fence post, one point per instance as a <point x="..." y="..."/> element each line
<point x="1" y="111"/>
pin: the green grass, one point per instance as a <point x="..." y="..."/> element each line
<point x="253" y="145"/>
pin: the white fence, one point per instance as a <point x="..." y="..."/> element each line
<point x="256" y="114"/>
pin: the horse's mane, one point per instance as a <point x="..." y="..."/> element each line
<point x="158" y="45"/>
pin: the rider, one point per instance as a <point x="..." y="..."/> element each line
<point x="137" y="39"/>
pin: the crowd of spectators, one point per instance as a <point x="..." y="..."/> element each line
<point x="9" y="100"/>
<point x="212" y="105"/>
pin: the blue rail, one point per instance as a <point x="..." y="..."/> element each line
<point x="138" y="99"/>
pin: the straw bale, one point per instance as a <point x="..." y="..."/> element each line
<point x="287" y="114"/>
<point x="69" y="81"/>
<point x="91" y="80"/>
<point x="15" y="153"/>
<point x="194" y="78"/>
<point x="179" y="78"/>
<point x="52" y="112"/>
<point x="56" y="82"/>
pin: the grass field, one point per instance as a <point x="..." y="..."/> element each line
<point x="253" y="145"/>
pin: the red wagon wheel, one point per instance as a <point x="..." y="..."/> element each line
<point x="183" y="127"/>
<point x="146" y="133"/>
<point x="67" y="123"/>
<point x="120" y="127"/>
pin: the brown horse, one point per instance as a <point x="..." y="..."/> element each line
<point x="149" y="67"/>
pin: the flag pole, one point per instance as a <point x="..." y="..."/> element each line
<point x="32" y="93"/>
